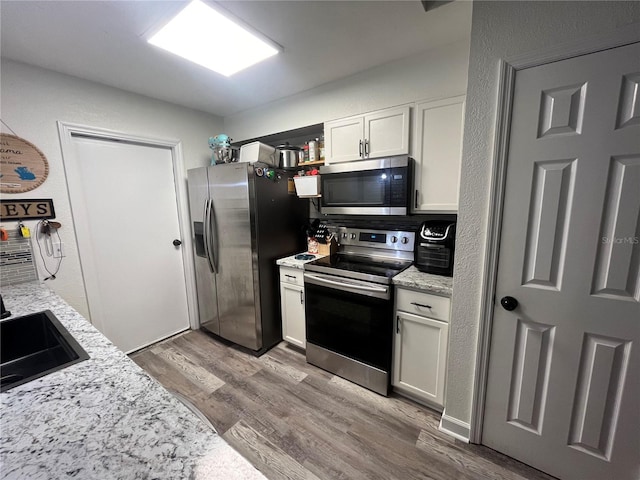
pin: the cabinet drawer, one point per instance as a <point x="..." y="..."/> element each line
<point x="294" y="276"/>
<point x="424" y="304"/>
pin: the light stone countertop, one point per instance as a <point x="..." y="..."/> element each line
<point x="103" y="418"/>
<point x="299" y="264"/>
<point x="414" y="278"/>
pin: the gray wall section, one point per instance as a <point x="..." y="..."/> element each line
<point x="502" y="30"/>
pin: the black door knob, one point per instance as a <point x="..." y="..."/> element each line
<point x="177" y="243"/>
<point x="509" y="303"/>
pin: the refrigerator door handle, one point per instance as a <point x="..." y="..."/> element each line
<point x="212" y="237"/>
<point x="207" y="233"/>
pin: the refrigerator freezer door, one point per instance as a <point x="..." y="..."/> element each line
<point x="205" y="278"/>
<point x="231" y="191"/>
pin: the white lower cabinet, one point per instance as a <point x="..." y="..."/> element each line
<point x="420" y="347"/>
<point x="292" y="305"/>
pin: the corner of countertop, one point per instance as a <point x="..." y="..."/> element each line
<point x="427" y="282"/>
<point x="292" y="262"/>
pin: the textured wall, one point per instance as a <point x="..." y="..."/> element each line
<point x="501" y="30"/>
<point x="436" y="73"/>
<point x="34" y="99"/>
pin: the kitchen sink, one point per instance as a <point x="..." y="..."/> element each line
<point x="33" y="346"/>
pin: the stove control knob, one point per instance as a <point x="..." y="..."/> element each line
<point x="344" y="235"/>
<point x="404" y="240"/>
<point x="394" y="239"/>
<point x="353" y="236"/>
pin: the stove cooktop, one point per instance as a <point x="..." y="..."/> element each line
<point x="362" y="268"/>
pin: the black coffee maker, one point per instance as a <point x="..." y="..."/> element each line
<point x="435" y="247"/>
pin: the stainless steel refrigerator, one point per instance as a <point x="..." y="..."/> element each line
<point x="241" y="224"/>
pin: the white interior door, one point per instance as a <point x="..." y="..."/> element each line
<point x="125" y="211"/>
<point x="563" y="390"/>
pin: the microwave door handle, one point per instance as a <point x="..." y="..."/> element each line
<point x="205" y="222"/>
<point x="349" y="285"/>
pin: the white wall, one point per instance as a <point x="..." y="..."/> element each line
<point x="433" y="74"/>
<point x="502" y="30"/>
<point x="34" y="99"/>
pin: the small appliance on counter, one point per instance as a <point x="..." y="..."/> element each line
<point x="435" y="247"/>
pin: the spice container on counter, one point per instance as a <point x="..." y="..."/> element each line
<point x="313" y="150"/>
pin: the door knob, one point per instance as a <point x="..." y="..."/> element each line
<point x="177" y="243"/>
<point x="509" y="303"/>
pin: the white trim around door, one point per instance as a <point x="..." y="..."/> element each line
<point x="66" y="133"/>
<point x="508" y="69"/>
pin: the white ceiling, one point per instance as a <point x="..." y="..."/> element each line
<point x="105" y="41"/>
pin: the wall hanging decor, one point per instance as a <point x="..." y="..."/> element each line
<point x="26" y="209"/>
<point x="23" y="166"/>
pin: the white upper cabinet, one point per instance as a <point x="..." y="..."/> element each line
<point x="344" y="140"/>
<point x="377" y="134"/>
<point x="437" y="149"/>
<point x="386" y="132"/>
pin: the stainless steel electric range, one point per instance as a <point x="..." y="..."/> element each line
<point x="349" y="305"/>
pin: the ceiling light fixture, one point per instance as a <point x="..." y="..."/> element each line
<point x="205" y="36"/>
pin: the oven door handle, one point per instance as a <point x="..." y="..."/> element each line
<point x="347" y="285"/>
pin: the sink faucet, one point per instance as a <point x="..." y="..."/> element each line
<point x="5" y="313"/>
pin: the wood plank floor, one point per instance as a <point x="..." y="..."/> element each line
<point x="294" y="421"/>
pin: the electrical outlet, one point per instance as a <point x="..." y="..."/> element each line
<point x="58" y="250"/>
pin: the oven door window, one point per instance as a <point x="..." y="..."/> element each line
<point x="364" y="189"/>
<point x="356" y="326"/>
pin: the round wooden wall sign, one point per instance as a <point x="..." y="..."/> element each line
<point x="23" y="166"/>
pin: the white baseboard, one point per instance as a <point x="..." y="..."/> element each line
<point x="454" y="427"/>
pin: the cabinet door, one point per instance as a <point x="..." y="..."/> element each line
<point x="438" y="152"/>
<point x="386" y="132"/>
<point x="420" y="356"/>
<point x="344" y="140"/>
<point x="292" y="300"/>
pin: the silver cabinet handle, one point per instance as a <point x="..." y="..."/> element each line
<point x="301" y="298"/>
<point x="360" y="148"/>
<point x="416" y="200"/>
<point x="366" y="147"/>
<point x="398" y="324"/>
<point x="419" y="305"/>
<point x="290" y="276"/>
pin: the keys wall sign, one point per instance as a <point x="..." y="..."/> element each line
<point x="26" y="209"/>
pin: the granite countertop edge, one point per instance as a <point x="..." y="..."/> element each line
<point x="427" y="282"/>
<point x="104" y="417"/>
<point x="292" y="262"/>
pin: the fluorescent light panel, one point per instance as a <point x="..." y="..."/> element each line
<point x="206" y="37"/>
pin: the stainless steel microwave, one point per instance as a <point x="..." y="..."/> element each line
<point x="367" y="187"/>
